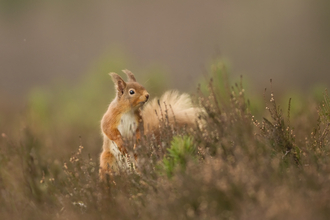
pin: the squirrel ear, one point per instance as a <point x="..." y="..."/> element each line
<point x="130" y="75"/>
<point x="119" y="82"/>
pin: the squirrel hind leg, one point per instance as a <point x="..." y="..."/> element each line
<point x="108" y="165"/>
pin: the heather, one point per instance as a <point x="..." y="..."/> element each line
<point x="247" y="157"/>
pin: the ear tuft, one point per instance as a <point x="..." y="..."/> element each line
<point x="119" y="82"/>
<point x="115" y="77"/>
<point x="130" y="75"/>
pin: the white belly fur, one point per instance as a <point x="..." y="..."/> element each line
<point x="127" y="128"/>
<point x="120" y="158"/>
<point x="128" y="125"/>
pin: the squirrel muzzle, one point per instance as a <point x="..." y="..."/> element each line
<point x="144" y="98"/>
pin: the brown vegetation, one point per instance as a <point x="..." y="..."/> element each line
<point x="237" y="166"/>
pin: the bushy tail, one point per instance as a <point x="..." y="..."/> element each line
<point x="172" y="108"/>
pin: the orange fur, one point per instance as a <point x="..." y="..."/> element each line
<point x="121" y="121"/>
<point x="124" y="117"/>
<point x="107" y="164"/>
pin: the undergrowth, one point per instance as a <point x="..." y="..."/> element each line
<point x="233" y="165"/>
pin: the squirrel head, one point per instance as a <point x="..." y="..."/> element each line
<point x="130" y="92"/>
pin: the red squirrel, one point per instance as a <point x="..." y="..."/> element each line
<point x="125" y="115"/>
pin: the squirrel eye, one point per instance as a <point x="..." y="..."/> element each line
<point x="131" y="92"/>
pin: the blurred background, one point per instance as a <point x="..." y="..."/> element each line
<point x="46" y="41"/>
<point x="55" y="55"/>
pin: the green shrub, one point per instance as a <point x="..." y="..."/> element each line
<point x="181" y="150"/>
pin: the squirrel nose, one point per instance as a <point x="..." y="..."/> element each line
<point x="147" y="96"/>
